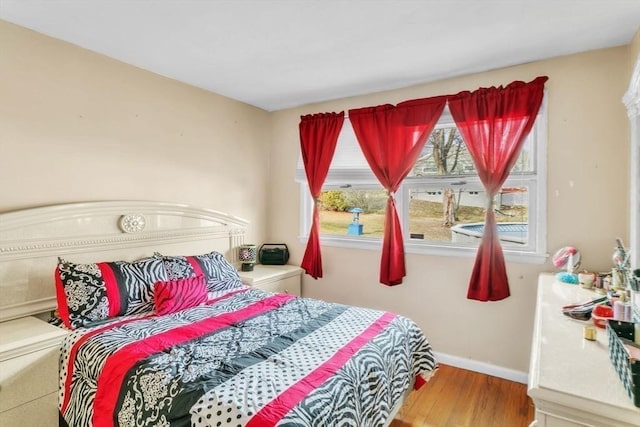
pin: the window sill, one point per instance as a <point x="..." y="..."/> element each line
<point x="422" y="249"/>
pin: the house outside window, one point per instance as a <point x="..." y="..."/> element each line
<point x="441" y="203"/>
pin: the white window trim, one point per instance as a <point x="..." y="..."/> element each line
<point x="533" y="255"/>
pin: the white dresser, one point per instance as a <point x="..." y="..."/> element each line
<point x="571" y="380"/>
<point x="29" y="351"/>
<point x="274" y="278"/>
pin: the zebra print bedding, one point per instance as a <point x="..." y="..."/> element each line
<point x="245" y="358"/>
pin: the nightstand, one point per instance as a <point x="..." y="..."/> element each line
<point x="29" y="352"/>
<point x="274" y="278"/>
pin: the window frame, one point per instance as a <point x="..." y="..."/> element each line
<point x="534" y="252"/>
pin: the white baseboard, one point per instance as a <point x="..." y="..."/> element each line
<point x="483" y="368"/>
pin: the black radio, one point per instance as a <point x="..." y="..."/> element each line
<point x="273" y="254"/>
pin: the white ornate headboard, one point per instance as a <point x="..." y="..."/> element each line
<point x="31" y="240"/>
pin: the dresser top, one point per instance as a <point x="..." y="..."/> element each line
<point x="27" y="334"/>
<point x="565" y="367"/>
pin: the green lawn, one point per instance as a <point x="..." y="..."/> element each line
<point x="424" y="217"/>
<point x="338" y="222"/>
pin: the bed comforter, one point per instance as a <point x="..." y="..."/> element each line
<point x="246" y="358"/>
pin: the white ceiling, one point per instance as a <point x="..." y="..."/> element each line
<point x="277" y="54"/>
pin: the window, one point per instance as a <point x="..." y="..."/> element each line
<point x="441" y="202"/>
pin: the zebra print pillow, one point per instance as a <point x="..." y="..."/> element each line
<point x="88" y="293"/>
<point x="140" y="278"/>
<point x="176" y="295"/>
<point x="213" y="266"/>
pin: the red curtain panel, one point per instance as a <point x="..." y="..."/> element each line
<point x="318" y="138"/>
<point x="494" y="122"/>
<point x="391" y="139"/>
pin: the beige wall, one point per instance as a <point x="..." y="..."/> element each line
<point x="78" y="126"/>
<point x="587" y="198"/>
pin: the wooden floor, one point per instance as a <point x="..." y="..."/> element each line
<point x="460" y="398"/>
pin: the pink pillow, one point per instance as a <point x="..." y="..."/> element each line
<point x="179" y="294"/>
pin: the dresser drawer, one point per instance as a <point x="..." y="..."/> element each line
<point x="28" y="377"/>
<point x="290" y="285"/>
<point x="42" y="412"/>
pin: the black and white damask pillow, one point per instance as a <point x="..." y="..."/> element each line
<point x="88" y="293"/>
<point x="81" y="291"/>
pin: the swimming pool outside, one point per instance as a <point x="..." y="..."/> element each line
<point x="508" y="232"/>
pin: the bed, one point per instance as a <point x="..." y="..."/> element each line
<point x="165" y="333"/>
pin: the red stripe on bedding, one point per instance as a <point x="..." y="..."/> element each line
<point x="61" y="297"/>
<point x="275" y="410"/>
<point x="118" y="364"/>
<point x="76" y="346"/>
<point x="113" y="290"/>
<point x="419" y="382"/>
<point x="196" y="266"/>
